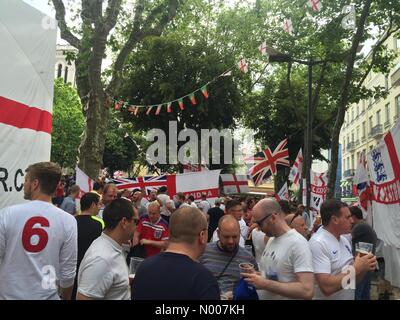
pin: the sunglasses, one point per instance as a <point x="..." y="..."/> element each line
<point x="260" y="222"/>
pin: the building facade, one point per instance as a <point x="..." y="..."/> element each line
<point x="63" y="68"/>
<point x="366" y="122"/>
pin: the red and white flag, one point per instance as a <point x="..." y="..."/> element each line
<point x="243" y="66"/>
<point x="315" y="5"/>
<point x="234" y="183"/>
<point x="28" y="51"/>
<point x="84" y="182"/>
<point x="288" y="26"/>
<point x="194" y="168"/>
<point x="384" y="171"/>
<point x="263" y="49"/>
<point x="319" y="188"/>
<point x="266" y="162"/>
<point x="283" y="194"/>
<point x="295" y="171"/>
<point x="361" y="184"/>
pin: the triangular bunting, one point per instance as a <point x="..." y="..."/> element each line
<point x="204" y="91"/>
<point x="192" y="99"/>
<point x="158" y="109"/>
<point x="180" y="102"/>
<point x="169" y="108"/>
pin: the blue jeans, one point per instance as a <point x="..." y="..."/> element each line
<point x="363" y="288"/>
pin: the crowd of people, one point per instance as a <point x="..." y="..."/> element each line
<point x="50" y="249"/>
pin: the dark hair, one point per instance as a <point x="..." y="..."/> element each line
<point x="136" y="190"/>
<point x="331" y="208"/>
<point x="181" y="196"/>
<point x="74" y="188"/>
<point x="191" y="198"/>
<point x="98" y="186"/>
<point x="232" y="203"/>
<point x="162" y="189"/>
<point x="87" y="200"/>
<point x="356" y="211"/>
<point x="116" y="211"/>
<point x="48" y="174"/>
<point x="285" y="207"/>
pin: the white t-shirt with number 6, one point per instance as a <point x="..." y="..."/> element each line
<point x="38" y="246"/>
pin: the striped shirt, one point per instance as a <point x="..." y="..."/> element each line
<point x="215" y="259"/>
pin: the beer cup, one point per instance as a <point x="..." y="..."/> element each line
<point x="364" y="248"/>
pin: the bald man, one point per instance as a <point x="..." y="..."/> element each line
<point x="297" y="222"/>
<point x="223" y="257"/>
<point x="175" y="274"/>
<point x="286" y="263"/>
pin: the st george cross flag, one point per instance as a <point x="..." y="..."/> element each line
<point x="28" y="49"/>
<point x="296" y="170"/>
<point x="83" y="181"/>
<point x="194" y="183"/>
<point x="288" y="26"/>
<point x="384" y="172"/>
<point x="263" y="48"/>
<point x="283" y="194"/>
<point x="361" y="183"/>
<point x="319" y="182"/>
<point x="243" y="66"/>
<point x="316" y="5"/>
<point x="265" y="163"/>
<point x="232" y="183"/>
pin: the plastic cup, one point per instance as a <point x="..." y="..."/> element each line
<point x="364" y="248"/>
<point x="133" y="266"/>
<point x="246" y="267"/>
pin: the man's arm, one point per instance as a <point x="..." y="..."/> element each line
<point x="136" y="238"/>
<point x="303" y="288"/>
<point x="158" y="244"/>
<point x="80" y="296"/>
<point x="66" y="293"/>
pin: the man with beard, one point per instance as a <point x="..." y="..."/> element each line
<point x="37" y="241"/>
<point x="223" y="257"/>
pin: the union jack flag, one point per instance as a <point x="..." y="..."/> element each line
<point x="194" y="168"/>
<point x="265" y="163"/>
<point x="147" y="183"/>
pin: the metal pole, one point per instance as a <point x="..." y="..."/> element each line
<point x="308" y="142"/>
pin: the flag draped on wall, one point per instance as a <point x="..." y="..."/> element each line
<point x="234" y="183"/>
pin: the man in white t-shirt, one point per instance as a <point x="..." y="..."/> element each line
<point x="38" y="241"/>
<point x="204" y="205"/>
<point x="103" y="273"/>
<point x="286" y="263"/>
<point x="332" y="254"/>
<point x="234" y="208"/>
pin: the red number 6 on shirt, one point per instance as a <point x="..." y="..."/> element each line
<point x="29" y="231"/>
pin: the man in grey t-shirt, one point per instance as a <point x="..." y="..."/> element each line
<point x="68" y="204"/>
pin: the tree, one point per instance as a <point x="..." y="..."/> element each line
<point x="165" y="69"/>
<point x="68" y="124"/>
<point x="97" y="19"/>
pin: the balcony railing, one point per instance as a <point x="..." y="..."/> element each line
<point x="387" y="124"/>
<point x="356" y="143"/>
<point x="377" y="131"/>
<point x="350" y="146"/>
<point x="363" y="139"/>
<point x="349" y="173"/>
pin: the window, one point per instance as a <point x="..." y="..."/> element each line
<point x="352" y="114"/>
<point x="59" y="70"/>
<point x="358" y="110"/>
<point x="370" y="123"/>
<point x="378" y="117"/>
<point x="66" y="75"/>
<point x="386" y="83"/>
<point x="348" y="163"/>
<point x="363" y="131"/>
<point x="396" y="43"/>
<point x="363" y="105"/>
<point x="344" y="165"/>
<point x="387" y="112"/>
<point x="358" y="133"/>
<point x="352" y="161"/>
<point x="348" y="140"/>
<point x="352" y="136"/>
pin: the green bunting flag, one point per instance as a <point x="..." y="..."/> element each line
<point x="180" y="102"/>
<point x="204" y="91"/>
<point x="192" y="98"/>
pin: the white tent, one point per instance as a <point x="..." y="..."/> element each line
<point x="27" y="62"/>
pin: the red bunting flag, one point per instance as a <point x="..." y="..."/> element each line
<point x="169" y="109"/>
<point x="136" y="111"/>
<point x="118" y="105"/>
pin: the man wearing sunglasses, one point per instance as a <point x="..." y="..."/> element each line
<point x="286" y="263"/>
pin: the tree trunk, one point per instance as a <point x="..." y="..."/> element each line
<point x="344" y="100"/>
<point x="92" y="144"/>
